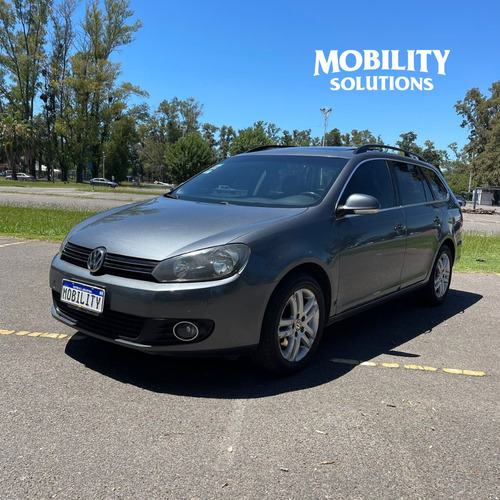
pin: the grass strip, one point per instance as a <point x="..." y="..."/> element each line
<point x="39" y="223"/>
<point x="480" y="253"/>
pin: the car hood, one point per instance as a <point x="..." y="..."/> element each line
<point x="164" y="227"/>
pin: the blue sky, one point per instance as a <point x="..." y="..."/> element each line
<point x="255" y="61"/>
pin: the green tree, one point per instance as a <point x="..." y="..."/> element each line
<point x="171" y="121"/>
<point x="226" y="138"/>
<point x="429" y="153"/>
<point x="97" y="99"/>
<point x="481" y="115"/>
<point x="334" y="138"/>
<point x="121" y="150"/>
<point x="249" y="138"/>
<point x="359" y="137"/>
<point x="56" y="93"/>
<point x="18" y="138"/>
<point x="408" y="142"/>
<point x="188" y="156"/>
<point x="436" y="157"/>
<point x="152" y="133"/>
<point x="23" y="33"/>
<point x="296" y="138"/>
<point x="209" y="133"/>
<point x="180" y="117"/>
<point x="457" y="170"/>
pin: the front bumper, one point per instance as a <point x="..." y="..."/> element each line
<point x="141" y="314"/>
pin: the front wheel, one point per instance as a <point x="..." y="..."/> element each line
<point x="292" y="327"/>
<point x="436" y="290"/>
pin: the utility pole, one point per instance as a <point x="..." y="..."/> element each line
<point x="326" y="112"/>
<point x="104" y="164"/>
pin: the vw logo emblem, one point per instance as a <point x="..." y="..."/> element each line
<point x="96" y="259"/>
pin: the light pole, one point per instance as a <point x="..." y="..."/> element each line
<point x="104" y="164"/>
<point x="326" y="112"/>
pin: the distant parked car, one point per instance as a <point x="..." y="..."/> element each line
<point x="101" y="181"/>
<point x="21" y="177"/>
<point x="461" y="200"/>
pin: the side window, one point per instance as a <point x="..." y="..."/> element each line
<point x="413" y="188"/>
<point x="437" y="186"/>
<point x="373" y="178"/>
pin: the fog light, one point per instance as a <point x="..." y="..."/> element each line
<point x="186" y="331"/>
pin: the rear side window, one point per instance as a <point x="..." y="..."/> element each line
<point x="438" y="188"/>
<point x="373" y="178"/>
<point x="413" y="188"/>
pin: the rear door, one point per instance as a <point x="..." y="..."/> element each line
<point x="423" y="219"/>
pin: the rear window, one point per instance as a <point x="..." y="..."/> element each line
<point x="438" y="188"/>
<point x="413" y="188"/>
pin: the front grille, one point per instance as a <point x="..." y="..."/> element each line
<point x="117" y="265"/>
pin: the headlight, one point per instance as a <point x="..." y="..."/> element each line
<point x="63" y="244"/>
<point x="204" y="265"/>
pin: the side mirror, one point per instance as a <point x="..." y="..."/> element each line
<point x="360" y="204"/>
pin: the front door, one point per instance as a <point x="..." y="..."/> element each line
<point x="372" y="247"/>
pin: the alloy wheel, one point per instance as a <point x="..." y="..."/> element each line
<point x="442" y="275"/>
<point x="298" y="325"/>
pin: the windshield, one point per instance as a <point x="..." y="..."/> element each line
<point x="282" y="181"/>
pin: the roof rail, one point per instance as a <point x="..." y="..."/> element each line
<point x="373" y="147"/>
<point x="269" y="146"/>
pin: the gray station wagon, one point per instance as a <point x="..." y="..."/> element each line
<point x="258" y="253"/>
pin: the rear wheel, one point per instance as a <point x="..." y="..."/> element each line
<point x="436" y="289"/>
<point x="292" y="327"/>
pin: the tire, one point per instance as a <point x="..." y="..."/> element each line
<point x="435" y="291"/>
<point x="292" y="327"/>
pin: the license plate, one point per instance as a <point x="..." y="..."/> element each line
<point x="86" y="297"/>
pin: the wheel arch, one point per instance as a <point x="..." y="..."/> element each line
<point x="449" y="243"/>
<point x="316" y="272"/>
<point x="268" y="354"/>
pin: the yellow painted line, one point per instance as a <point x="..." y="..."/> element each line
<point x="423" y="368"/>
<point x="368" y="363"/>
<point x="3" y="245"/>
<point x="453" y="371"/>
<point x="474" y="373"/>
<point x="25" y="333"/>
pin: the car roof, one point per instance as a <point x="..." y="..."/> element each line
<point x="342" y="152"/>
<point x="365" y="151"/>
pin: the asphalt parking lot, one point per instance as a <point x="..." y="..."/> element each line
<point x="401" y="402"/>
